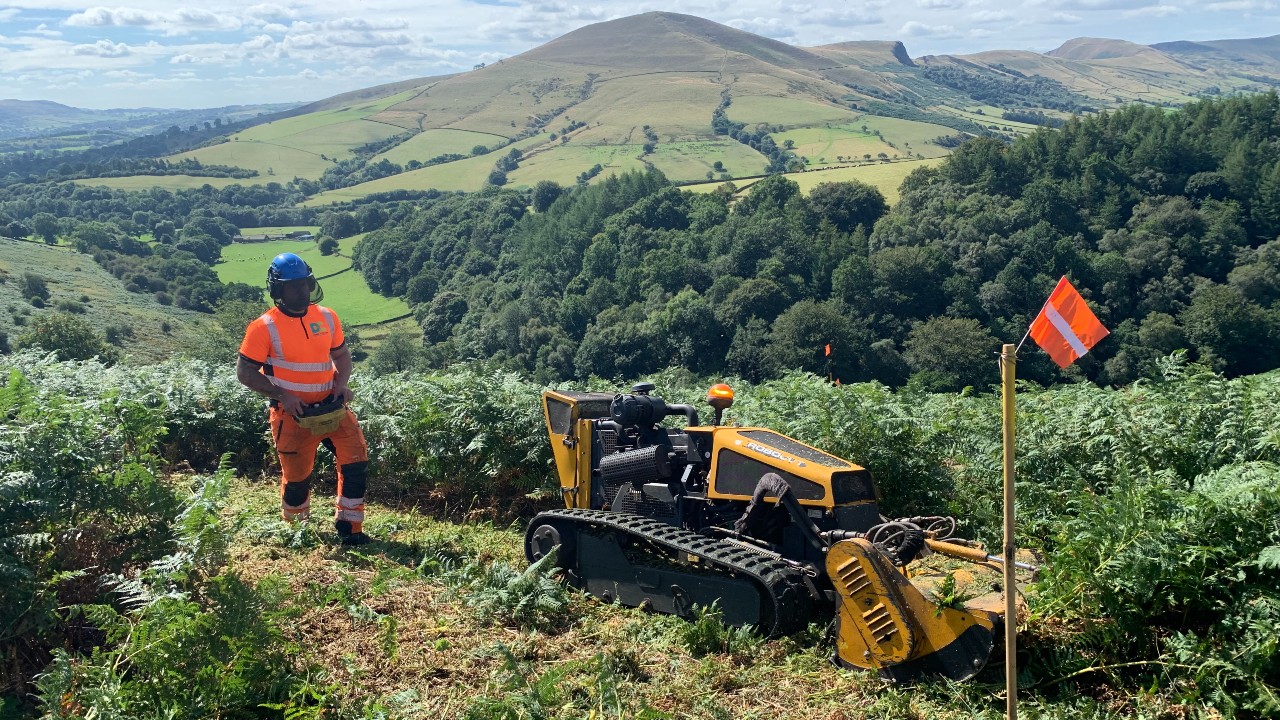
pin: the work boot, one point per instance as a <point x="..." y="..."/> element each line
<point x="356" y="539"/>
<point x="350" y="538"/>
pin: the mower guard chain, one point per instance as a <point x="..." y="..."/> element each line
<point x="790" y="606"/>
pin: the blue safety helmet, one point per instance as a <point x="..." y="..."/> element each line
<point x="286" y="267"/>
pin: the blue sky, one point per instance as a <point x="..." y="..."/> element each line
<point x="157" y="53"/>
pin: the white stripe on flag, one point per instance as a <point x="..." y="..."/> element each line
<point x="1060" y="324"/>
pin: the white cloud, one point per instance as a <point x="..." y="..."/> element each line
<point x="269" y="12"/>
<point x="1240" y="6"/>
<point x="1089" y="5"/>
<point x="845" y="17"/>
<point x="1154" y="11"/>
<point x="102" y="48"/>
<point x="349" y="23"/>
<point x="43" y="31"/>
<point x="182" y="21"/>
<point x="105" y="17"/>
<point x="8" y="14"/>
<point x="941" y="4"/>
<point x="990" y="16"/>
<point x="913" y="28"/>
<point x="204" y="20"/>
<point x="1061" y="18"/>
<point x="768" y="27"/>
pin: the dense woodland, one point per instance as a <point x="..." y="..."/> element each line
<point x="1166" y="221"/>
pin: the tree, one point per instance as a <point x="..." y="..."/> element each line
<point x="445" y="311"/>
<point x="848" y="204"/>
<point x="770" y="194"/>
<point x="801" y="335"/>
<point x="70" y="337"/>
<point x="1230" y="331"/>
<point x="949" y="353"/>
<point x="33" y="286"/>
<point x="497" y="177"/>
<point x="399" y="352"/>
<point x="545" y="192"/>
<point x="339" y="225"/>
<point x="46" y="226"/>
<point x="328" y="246"/>
<point x="371" y="217"/>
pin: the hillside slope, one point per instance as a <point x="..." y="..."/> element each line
<point x="159" y="331"/>
<point x="646" y="91"/>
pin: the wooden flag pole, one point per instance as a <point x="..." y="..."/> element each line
<point x="1008" y="368"/>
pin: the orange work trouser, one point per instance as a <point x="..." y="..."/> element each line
<point x="296" y="447"/>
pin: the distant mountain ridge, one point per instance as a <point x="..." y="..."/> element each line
<point x="35" y="118"/>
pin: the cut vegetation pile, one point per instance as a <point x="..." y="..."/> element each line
<point x="138" y="592"/>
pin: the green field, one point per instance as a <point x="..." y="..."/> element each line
<point x="431" y="143"/>
<point x="469" y="175"/>
<point x="70" y="276"/>
<point x="247" y="262"/>
<point x="823" y="146"/>
<point x="344" y="290"/>
<point x="989" y="116"/>
<point x="273" y="162"/>
<point x="564" y="164"/>
<point x="356" y="304"/>
<point x="909" y="135"/>
<point x="279" y="229"/>
<point x="752" y="109"/>
<point x="887" y="177"/>
<point x="302" y="146"/>
<point x="167" y="182"/>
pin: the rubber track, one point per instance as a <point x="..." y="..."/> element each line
<point x="793" y="604"/>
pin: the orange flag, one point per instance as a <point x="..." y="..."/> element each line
<point x="1066" y="328"/>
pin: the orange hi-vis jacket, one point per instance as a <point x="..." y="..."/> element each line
<point x="294" y="351"/>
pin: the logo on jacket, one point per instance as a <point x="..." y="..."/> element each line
<point x="318" y="328"/>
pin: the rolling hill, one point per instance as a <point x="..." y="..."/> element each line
<point x="680" y="93"/>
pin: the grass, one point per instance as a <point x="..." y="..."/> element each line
<point x="279" y="229"/>
<point x="70" y="276"/>
<point x="887" y="177"/>
<point x="344" y="289"/>
<point x="391" y="620"/>
<point x="430" y="143"/>
<point x="564" y="164"/>
<point x="356" y="304"/>
<point x="752" y="109"/>
<point x="908" y="135"/>
<point x="247" y="262"/>
<point x="371" y="336"/>
<point x="302" y="146"/>
<point x="823" y="145"/>
<point x="167" y="182"/>
<point x="274" y="162"/>
<point x="468" y="174"/>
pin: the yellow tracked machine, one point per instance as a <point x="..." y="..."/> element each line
<point x="773" y="532"/>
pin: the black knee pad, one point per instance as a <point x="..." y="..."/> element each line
<point x="354" y="479"/>
<point x="296" y="493"/>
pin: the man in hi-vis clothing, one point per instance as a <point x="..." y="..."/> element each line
<point x="296" y="355"/>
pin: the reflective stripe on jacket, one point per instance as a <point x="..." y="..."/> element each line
<point x="294" y="351"/>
